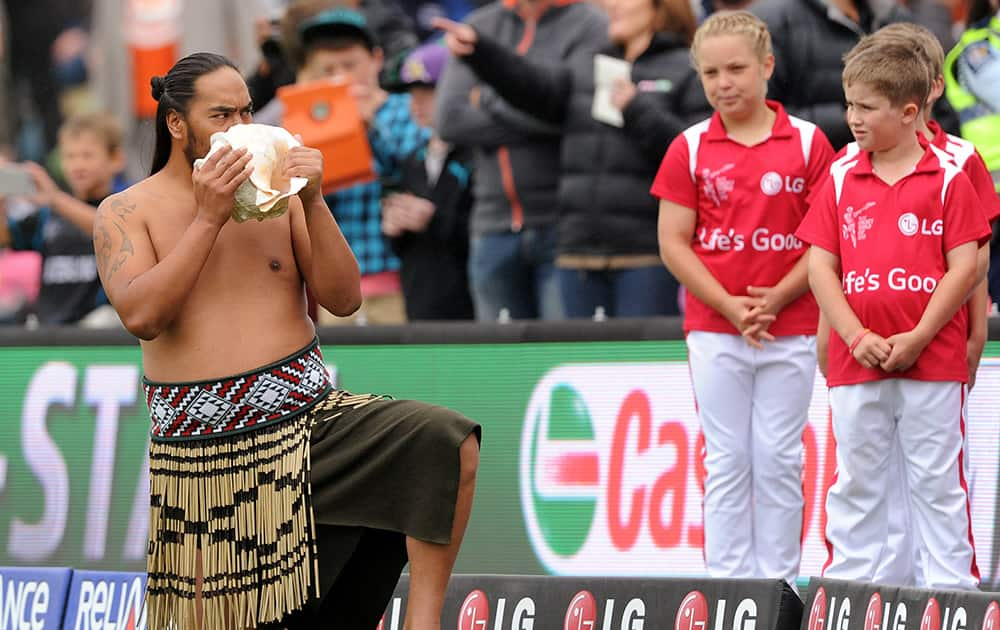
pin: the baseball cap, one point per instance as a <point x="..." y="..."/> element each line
<point x="338" y="22"/>
<point x="424" y="64"/>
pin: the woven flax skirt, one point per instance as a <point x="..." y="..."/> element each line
<point x="293" y="493"/>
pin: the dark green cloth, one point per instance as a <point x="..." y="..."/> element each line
<point x="380" y="471"/>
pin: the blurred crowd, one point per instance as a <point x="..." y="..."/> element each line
<point x="509" y="183"/>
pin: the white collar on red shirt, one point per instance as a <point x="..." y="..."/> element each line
<point x="782" y="127"/>
<point x="929" y="163"/>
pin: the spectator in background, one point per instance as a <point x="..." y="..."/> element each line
<point x="39" y="31"/>
<point x="512" y="249"/>
<point x="61" y="230"/>
<point x="20" y="272"/>
<point x="280" y="47"/>
<point x="395" y="32"/>
<point x="227" y="27"/>
<point x="19" y="278"/>
<point x="972" y="82"/>
<point x="708" y="7"/>
<point x="810" y="38"/>
<point x="275" y="69"/>
<point x="6" y="114"/>
<point x="607" y="252"/>
<point x="972" y="86"/>
<point x="424" y="12"/>
<point x="339" y="43"/>
<point x="428" y="221"/>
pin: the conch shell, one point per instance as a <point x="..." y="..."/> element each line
<point x="265" y="195"/>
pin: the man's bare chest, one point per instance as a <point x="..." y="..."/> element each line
<point x="252" y="252"/>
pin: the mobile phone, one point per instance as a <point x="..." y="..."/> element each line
<point x="14" y="180"/>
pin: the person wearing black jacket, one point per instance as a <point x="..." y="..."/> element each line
<point x="512" y="245"/>
<point x="810" y="39"/>
<point x="607" y="250"/>
<point x="428" y="220"/>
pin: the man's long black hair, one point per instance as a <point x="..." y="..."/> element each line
<point x="174" y="91"/>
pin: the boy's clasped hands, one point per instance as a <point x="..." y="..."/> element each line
<point x="893" y="354"/>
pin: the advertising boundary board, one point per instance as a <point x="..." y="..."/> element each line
<point x="520" y="602"/>
<point x="590" y="462"/>
<point x="96" y="600"/>
<point x="51" y="598"/>
<point x="33" y="597"/>
<point x="101" y="600"/>
<point x="849" y="605"/>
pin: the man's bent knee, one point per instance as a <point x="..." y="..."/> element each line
<point x="469" y="460"/>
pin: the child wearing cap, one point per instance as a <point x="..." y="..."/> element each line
<point x="428" y="220"/>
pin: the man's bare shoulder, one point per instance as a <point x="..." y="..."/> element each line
<point x="119" y="206"/>
<point x="132" y="201"/>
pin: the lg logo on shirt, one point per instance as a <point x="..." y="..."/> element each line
<point x="909" y="225"/>
<point x="771" y="184"/>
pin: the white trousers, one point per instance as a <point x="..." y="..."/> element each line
<point x="926" y="419"/>
<point x="901" y="560"/>
<point x="753" y="406"/>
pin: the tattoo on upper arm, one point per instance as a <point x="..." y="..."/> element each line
<point x="102" y="241"/>
<point x="124" y="253"/>
<point x="121" y="207"/>
<point x="116" y="215"/>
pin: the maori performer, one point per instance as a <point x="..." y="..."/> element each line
<point x="276" y="500"/>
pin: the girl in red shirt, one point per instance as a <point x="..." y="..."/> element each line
<point x="733" y="190"/>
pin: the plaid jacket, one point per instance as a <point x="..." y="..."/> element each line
<point x="358" y="209"/>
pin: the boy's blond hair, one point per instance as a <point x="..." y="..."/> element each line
<point x="891" y="68"/>
<point x="103" y="125"/>
<point x="734" y="23"/>
<point x="921" y="41"/>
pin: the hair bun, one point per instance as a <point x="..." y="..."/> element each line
<point x="157" y="84"/>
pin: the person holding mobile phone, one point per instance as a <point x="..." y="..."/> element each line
<point x="60" y="227"/>
<point x="15" y="180"/>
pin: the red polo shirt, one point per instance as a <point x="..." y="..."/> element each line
<point x="892" y="242"/>
<point x="748" y="201"/>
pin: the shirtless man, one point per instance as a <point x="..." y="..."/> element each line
<point x="251" y="473"/>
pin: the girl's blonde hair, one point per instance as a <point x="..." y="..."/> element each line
<point x="734" y="23"/>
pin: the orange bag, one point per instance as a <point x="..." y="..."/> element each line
<point x="326" y="116"/>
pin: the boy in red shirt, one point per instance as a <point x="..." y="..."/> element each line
<point x="898" y="565"/>
<point x="926" y="45"/>
<point x="894" y="256"/>
<point x="733" y="190"/>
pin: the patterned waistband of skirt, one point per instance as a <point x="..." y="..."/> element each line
<point x="245" y="402"/>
